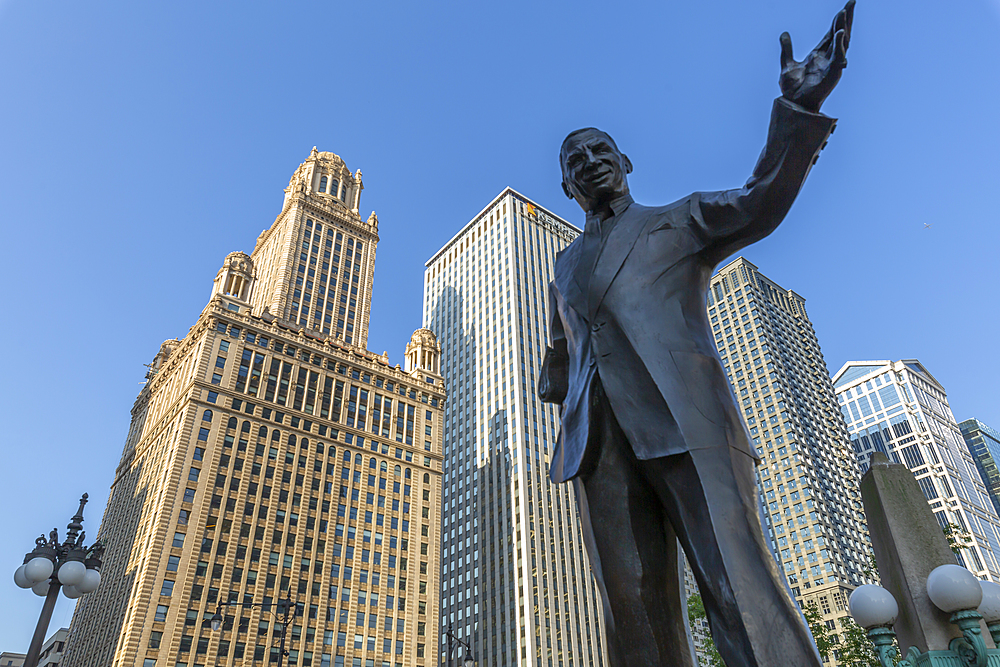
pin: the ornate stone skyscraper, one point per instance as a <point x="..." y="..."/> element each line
<point x="272" y="457"/>
<point x="516" y="582"/>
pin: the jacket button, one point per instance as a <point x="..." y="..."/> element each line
<point x="595" y="327"/>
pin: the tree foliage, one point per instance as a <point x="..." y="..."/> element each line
<point x="850" y="645"/>
<point x="958" y="538"/>
<point x="696" y="613"/>
<point x="821" y="634"/>
<point x="855" y="649"/>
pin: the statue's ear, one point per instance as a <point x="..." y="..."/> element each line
<point x="569" y="195"/>
<point x="628" y="163"/>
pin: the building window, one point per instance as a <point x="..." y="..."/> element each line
<point x="167" y="589"/>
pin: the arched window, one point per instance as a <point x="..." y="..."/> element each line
<point x="333" y="450"/>
<point x="262" y="433"/>
<point x="291" y="440"/>
<point x="305" y="443"/>
<point x="427" y="478"/>
<point x="206" y="416"/>
<point x="357" y="460"/>
<point x="383" y="467"/>
<point x="371" y="463"/>
<point x="275" y="435"/>
<point x="347" y="457"/>
<point x="231" y="423"/>
<point x="397" y="471"/>
<point x="319" y="448"/>
<point x="322" y="184"/>
<point x="334" y="187"/>
<point x="407" y="473"/>
<point x="245" y="428"/>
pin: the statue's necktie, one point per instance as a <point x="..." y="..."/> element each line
<point x="589" y="252"/>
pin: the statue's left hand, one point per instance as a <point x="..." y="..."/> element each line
<point x="808" y="83"/>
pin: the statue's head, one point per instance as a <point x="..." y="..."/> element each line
<point x="593" y="169"/>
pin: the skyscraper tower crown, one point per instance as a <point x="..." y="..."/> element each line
<point x="235" y="278"/>
<point x="423" y="352"/>
<point x="316" y="263"/>
<point x="325" y="173"/>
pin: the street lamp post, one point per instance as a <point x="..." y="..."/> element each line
<point x="955" y="591"/>
<point x="469" y="660"/>
<point x="50" y="566"/>
<point x="285" y="607"/>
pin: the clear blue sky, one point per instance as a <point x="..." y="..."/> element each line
<point x="141" y="142"/>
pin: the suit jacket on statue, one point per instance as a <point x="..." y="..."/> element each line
<point x="636" y="316"/>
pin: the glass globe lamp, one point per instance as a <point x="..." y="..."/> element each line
<point x="71" y="573"/>
<point x="21" y="579"/>
<point x="953" y="588"/>
<point x="873" y="606"/>
<point x="38" y="569"/>
<point x="91" y="580"/>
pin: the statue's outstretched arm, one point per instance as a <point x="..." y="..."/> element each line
<point x="732" y="219"/>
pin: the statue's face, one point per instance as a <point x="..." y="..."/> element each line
<point x="593" y="168"/>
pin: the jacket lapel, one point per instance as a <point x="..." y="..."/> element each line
<point x="565" y="278"/>
<point x="621" y="240"/>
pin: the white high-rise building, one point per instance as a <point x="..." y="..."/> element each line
<point x="515" y="579"/>
<point x="900" y="409"/>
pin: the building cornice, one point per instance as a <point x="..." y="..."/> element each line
<point x="570" y="228"/>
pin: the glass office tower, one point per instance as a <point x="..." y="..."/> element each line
<point x="900" y="409"/>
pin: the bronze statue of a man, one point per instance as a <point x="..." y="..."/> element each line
<point x="651" y="435"/>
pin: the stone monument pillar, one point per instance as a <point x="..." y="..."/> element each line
<point x="908" y="544"/>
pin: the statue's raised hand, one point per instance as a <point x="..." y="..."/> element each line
<point x="807" y="83"/>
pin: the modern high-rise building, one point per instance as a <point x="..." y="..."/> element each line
<point x="983" y="443"/>
<point x="515" y="579"/>
<point x="272" y="457"/>
<point x="808" y="478"/>
<point x="900" y="409"/>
